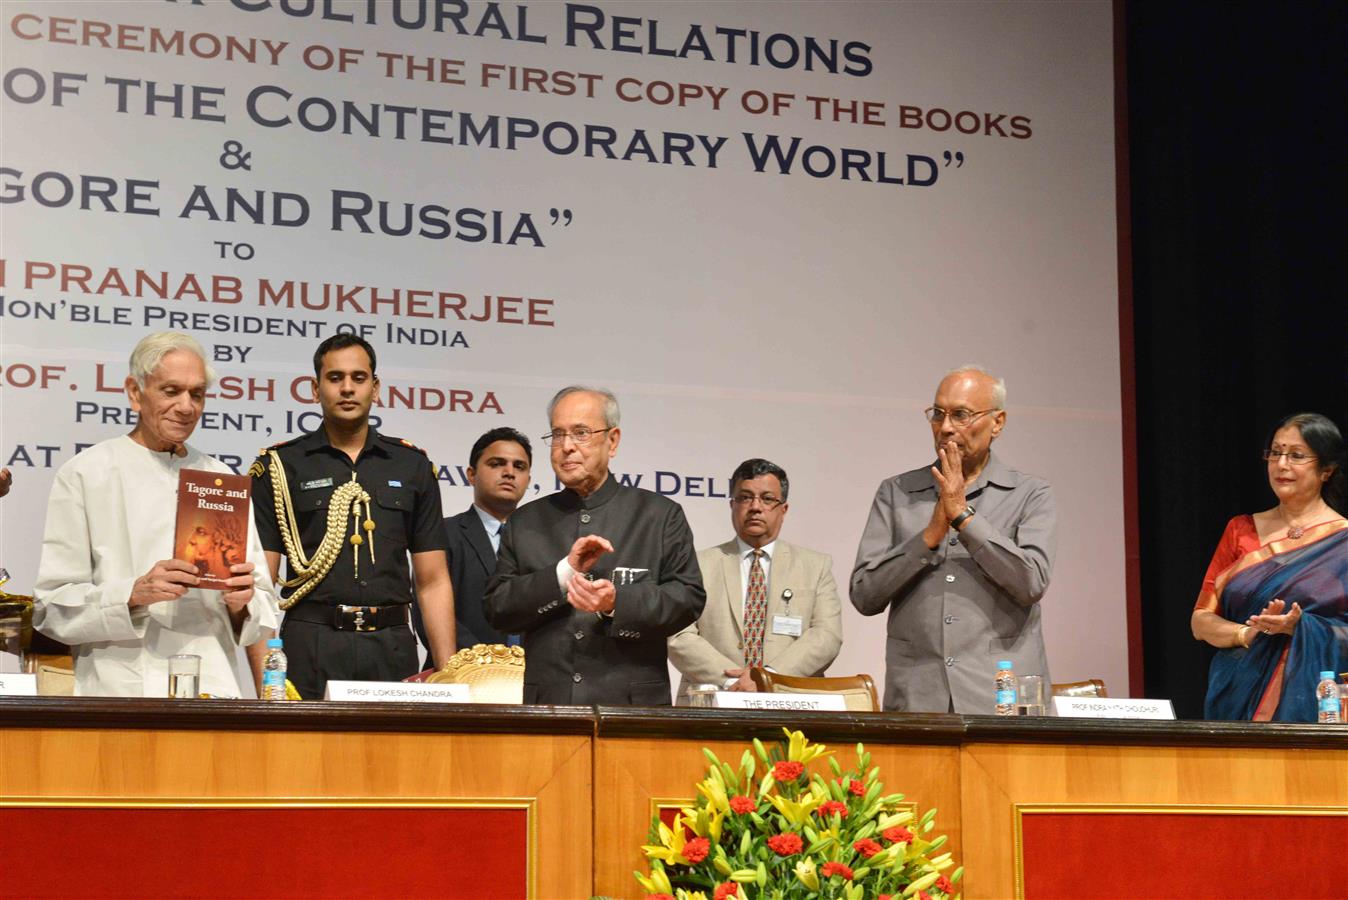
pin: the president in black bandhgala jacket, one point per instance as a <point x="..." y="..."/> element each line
<point x="597" y="576"/>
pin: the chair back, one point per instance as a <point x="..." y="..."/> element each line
<point x="858" y="690"/>
<point x="494" y="672"/>
<point x="1091" y="687"/>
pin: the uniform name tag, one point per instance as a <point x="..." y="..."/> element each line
<point x="393" y="483"/>
<point x="316" y="483"/>
<point x="787" y="625"/>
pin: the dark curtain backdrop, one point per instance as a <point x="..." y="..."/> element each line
<point x="1239" y="190"/>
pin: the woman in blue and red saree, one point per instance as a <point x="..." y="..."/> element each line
<point x="1275" y="599"/>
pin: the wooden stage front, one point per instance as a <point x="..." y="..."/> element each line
<point x="102" y="797"/>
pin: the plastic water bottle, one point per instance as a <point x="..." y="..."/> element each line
<point x="1327" y="697"/>
<point x="1006" y="689"/>
<point x="274" y="671"/>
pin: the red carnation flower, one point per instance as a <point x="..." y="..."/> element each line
<point x="835" y="868"/>
<point x="787" y="770"/>
<point x="729" y="889"/>
<point x="923" y="895"/>
<point x="659" y="897"/>
<point x="866" y="847"/>
<point x="742" y="805"/>
<point x="830" y="807"/>
<point x="897" y="835"/>
<point x="854" y="787"/>
<point x="944" y="886"/>
<point x="786" y="844"/>
<point x="696" y="850"/>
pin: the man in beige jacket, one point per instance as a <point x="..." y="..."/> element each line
<point x="769" y="603"/>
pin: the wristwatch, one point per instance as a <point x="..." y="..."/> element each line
<point x="963" y="517"/>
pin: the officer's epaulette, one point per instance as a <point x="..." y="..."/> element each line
<point x="402" y="443"/>
<point x="259" y="466"/>
<point x="399" y="442"/>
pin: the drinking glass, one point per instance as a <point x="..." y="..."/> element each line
<point x="1030" y="696"/>
<point x="184" y="676"/>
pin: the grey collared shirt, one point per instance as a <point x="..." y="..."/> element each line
<point x="956" y="610"/>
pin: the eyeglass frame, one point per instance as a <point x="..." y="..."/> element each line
<point x="559" y="435"/>
<point x="1271" y="455"/>
<point x="748" y="500"/>
<point x="974" y="415"/>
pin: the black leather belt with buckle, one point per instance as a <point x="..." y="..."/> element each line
<point x="351" y="618"/>
<point x="368" y="618"/>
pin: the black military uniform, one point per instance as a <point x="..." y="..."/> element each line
<point x="354" y="623"/>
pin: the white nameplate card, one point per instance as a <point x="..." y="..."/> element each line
<point x="811" y="702"/>
<point x="16" y="685"/>
<point x="398" y="692"/>
<point x="791" y="626"/>
<point x="1112" y="708"/>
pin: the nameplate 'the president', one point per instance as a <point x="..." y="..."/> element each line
<point x="814" y="702"/>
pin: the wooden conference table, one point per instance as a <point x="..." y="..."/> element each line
<point x="103" y="797"/>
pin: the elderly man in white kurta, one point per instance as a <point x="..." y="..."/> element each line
<point x="105" y="585"/>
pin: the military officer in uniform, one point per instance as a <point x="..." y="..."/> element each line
<point x="345" y="505"/>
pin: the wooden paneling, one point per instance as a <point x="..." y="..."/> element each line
<point x="631" y="772"/>
<point x="553" y="770"/>
<point x="998" y="777"/>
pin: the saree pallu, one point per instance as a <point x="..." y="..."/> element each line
<point x="1281" y="669"/>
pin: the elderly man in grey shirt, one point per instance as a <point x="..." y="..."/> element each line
<point x="960" y="554"/>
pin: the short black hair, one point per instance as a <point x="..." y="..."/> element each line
<point x="752" y="468"/>
<point x="341" y="342"/>
<point x="1325" y="440"/>
<point x="499" y="434"/>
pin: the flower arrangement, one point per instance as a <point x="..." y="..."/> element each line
<point x="774" y="830"/>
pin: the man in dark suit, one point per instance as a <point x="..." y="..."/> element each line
<point x="596" y="576"/>
<point x="498" y="470"/>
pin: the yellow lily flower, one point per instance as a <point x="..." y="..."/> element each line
<point x="800" y="750"/>
<point x="657" y="883"/>
<point x="713" y="788"/>
<point x="806" y="873"/>
<point x="670" y="849"/>
<point x="889" y="820"/>
<point x="797" y="812"/>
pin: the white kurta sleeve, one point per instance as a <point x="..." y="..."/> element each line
<point x="69" y="606"/>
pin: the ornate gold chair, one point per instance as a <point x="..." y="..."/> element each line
<point x="494" y="672"/>
<point x="49" y="660"/>
<point x="858" y="690"/>
<point x="1091" y="687"/>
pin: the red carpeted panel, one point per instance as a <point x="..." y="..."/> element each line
<point x="1190" y="855"/>
<point x="265" y="852"/>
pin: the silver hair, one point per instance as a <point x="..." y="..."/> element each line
<point x="612" y="415"/>
<point x="152" y="349"/>
<point x="998" y="384"/>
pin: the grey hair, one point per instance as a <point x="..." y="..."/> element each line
<point x="998" y="384"/>
<point x="152" y="349"/>
<point x="612" y="415"/>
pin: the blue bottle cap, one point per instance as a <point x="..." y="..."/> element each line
<point x="1324" y="675"/>
<point x="1003" y="664"/>
<point x="273" y="643"/>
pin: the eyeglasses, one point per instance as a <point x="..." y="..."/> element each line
<point x="580" y="435"/>
<point x="768" y="501"/>
<point x="960" y="418"/>
<point x="1295" y="457"/>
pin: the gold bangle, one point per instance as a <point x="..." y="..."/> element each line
<point x="1241" y="631"/>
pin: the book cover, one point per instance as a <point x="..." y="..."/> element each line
<point x="212" y="528"/>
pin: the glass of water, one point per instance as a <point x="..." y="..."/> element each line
<point x="1030" y="696"/>
<point x="184" y="676"/>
